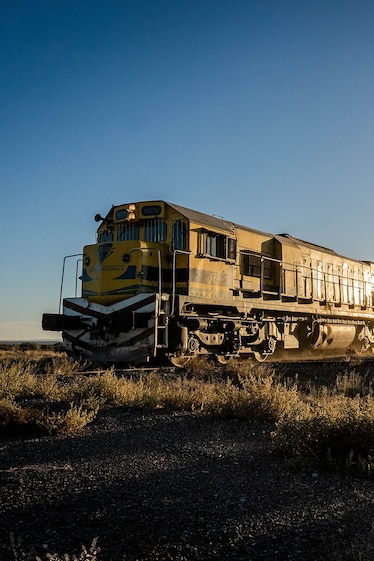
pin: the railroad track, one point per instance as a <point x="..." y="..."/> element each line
<point x="349" y="363"/>
<point x="131" y="371"/>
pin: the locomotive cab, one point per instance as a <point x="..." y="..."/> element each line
<point x="130" y="281"/>
<point x="134" y="253"/>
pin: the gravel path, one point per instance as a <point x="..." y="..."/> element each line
<point x="177" y="486"/>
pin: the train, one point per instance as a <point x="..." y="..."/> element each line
<point x="168" y="283"/>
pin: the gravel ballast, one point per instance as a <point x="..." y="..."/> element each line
<point x="177" y="486"/>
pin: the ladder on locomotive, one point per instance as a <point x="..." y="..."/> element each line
<point x="161" y="323"/>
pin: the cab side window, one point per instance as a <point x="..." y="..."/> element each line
<point x="179" y="235"/>
<point x="104" y="236"/>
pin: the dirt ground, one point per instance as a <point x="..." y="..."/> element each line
<point x="176" y="486"/>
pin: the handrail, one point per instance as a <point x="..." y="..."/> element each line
<point x="76" y="276"/>
<point x="174" y="287"/>
<point x="63" y="274"/>
<point x="352" y="290"/>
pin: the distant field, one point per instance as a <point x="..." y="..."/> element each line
<point x="32" y="342"/>
<point x="29" y="349"/>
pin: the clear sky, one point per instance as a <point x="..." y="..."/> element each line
<point x="260" y="111"/>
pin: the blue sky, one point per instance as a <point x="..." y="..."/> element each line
<point x="261" y="111"/>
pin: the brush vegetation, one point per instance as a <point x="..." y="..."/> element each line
<point x="19" y="553"/>
<point x="329" y="424"/>
<point x="318" y="421"/>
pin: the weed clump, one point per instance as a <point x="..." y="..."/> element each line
<point x="66" y="422"/>
<point x="17" y="379"/>
<point x="336" y="432"/>
<point x="19" y="553"/>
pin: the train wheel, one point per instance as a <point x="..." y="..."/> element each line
<point x="225" y="359"/>
<point x="261" y="356"/>
<point x="180" y="361"/>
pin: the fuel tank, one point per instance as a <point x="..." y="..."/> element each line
<point x="332" y="336"/>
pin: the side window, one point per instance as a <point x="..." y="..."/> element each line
<point x="179" y="235"/>
<point x="104" y="236"/>
<point x="217" y="245"/>
<point x="231" y="249"/>
<point x="127" y="231"/>
<point x="155" y="230"/>
<point x="251" y="264"/>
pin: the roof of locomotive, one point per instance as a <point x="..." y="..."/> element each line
<point x="205" y="219"/>
<point x="222" y="224"/>
<point x="303" y="243"/>
<point x="230" y="227"/>
<point x="214" y="221"/>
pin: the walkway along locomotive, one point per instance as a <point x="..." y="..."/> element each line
<point x="164" y="281"/>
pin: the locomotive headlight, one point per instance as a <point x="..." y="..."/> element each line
<point x="87" y="261"/>
<point x="126" y="258"/>
<point x="131" y="212"/>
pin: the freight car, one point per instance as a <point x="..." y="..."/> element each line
<point x="166" y="282"/>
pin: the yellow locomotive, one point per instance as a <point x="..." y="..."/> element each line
<point x="164" y="281"/>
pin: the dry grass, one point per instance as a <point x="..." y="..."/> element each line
<point x="66" y="422"/>
<point x="17" y="378"/>
<point x="330" y="424"/>
<point x="30" y="351"/>
<point x="30" y="389"/>
<point x="19" y="553"/>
